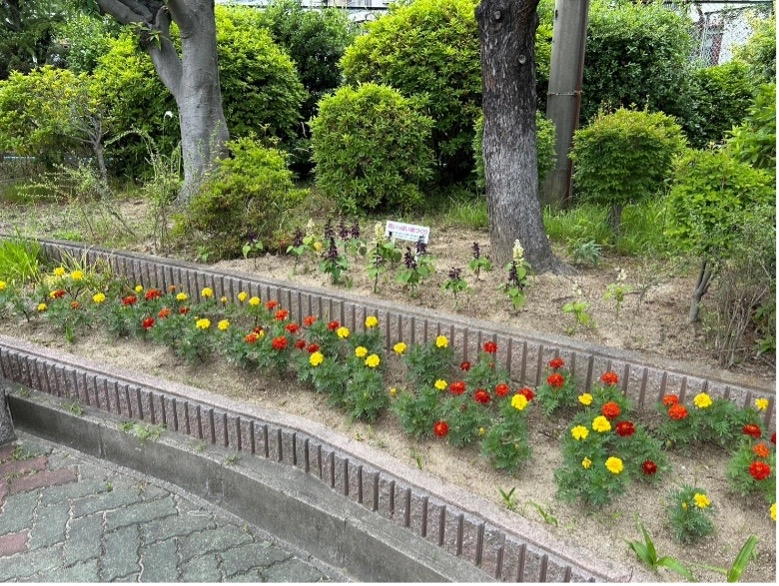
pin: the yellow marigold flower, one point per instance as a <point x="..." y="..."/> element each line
<point x="701" y="500"/>
<point x="203" y="323"/>
<point x="254" y="301"/>
<point x="601" y="424"/>
<point x="761" y="404"/>
<point x="441" y="384"/>
<point x="243" y="296"/>
<point x="586" y="463"/>
<point x="585" y="399"/>
<point x="372" y="361"/>
<point x="52" y="294"/>
<point x="316" y="359"/>
<point x="182" y="296"/>
<point x="773" y="512"/>
<point x="702" y="401"/>
<point x="393" y="391"/>
<point x="342" y="332"/>
<point x="684" y="506"/>
<point x="138" y="288"/>
<point x="580" y="432"/>
<point x="42" y="307"/>
<point x="371" y="321"/>
<point x="442" y="342"/>
<point x="614" y="465"/>
<point x="207" y="292"/>
<point x="98" y="298"/>
<point x="223" y="300"/>
<point x="77" y="275"/>
<point x="399" y="348"/>
<point x="59" y="271"/>
<point x="482" y="431"/>
<point x="318" y="246"/>
<point x="519" y="402"/>
<point x="223" y="325"/>
<point x="3" y="285"/>
<point x="361" y="352"/>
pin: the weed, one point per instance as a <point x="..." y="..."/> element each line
<point x="549" y="519"/>
<point x="109" y="486"/>
<point x="646" y="553"/>
<point x="745" y="555"/>
<point x="508" y="498"/>
<point x="584" y="252"/>
<point x="232" y="459"/>
<point x="143" y="431"/>
<point x="75" y="408"/>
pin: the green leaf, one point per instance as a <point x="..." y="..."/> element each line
<point x="745" y="555"/>
<point x="675" y="566"/>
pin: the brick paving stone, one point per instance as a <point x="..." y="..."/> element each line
<point x="12" y="543"/>
<point x="84" y="539"/>
<point x="20" y="467"/>
<point x="250" y="576"/>
<point x="159" y="561"/>
<point x="179" y="526"/>
<point x="24" y="565"/>
<point x="138" y="513"/>
<point x="84" y="487"/>
<point x="49" y="525"/>
<point x="105" y="501"/>
<point x="120" y="556"/>
<point x="82" y="572"/>
<point x="218" y="539"/>
<point x="203" y="568"/>
<point x="252" y="555"/>
<point x="17" y="513"/>
<point x="3" y="491"/>
<point x="6" y="452"/>
<point x="293" y="570"/>
<point x="45" y="478"/>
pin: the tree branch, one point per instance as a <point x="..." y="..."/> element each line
<point x="126" y="11"/>
<point x="164" y="56"/>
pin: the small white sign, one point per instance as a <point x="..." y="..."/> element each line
<point x="412" y="232"/>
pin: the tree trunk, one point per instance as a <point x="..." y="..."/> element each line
<point x="508" y="30"/>
<point x="705" y="277"/>
<point x="192" y="78"/>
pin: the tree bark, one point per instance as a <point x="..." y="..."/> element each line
<point x="507" y="30"/>
<point x="705" y="276"/>
<point x="192" y="77"/>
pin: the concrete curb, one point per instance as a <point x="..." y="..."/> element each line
<point x="459" y="526"/>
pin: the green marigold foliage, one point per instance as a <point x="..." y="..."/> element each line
<point x="371" y="148"/>
<point x="689" y="509"/>
<point x="624" y="157"/>
<point x="759" y="53"/>
<point x="246" y="197"/>
<point x="754" y="141"/>
<point x="427" y="49"/>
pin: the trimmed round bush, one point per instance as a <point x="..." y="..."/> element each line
<point x="371" y="148"/>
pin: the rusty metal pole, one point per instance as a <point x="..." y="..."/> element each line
<point x="569" y="35"/>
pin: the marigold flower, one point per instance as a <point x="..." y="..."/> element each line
<point x="171" y="288"/>
<point x="333" y="325"/>
<point x="490" y="347"/>
<point x="441" y="428"/>
<point x="761" y="450"/>
<point x="57" y="294"/>
<point x="610" y="410"/>
<point x="442" y="342"/>
<point x="184" y="310"/>
<point x="483" y="397"/>
<point x="164" y="312"/>
<point x="203" y="323"/>
<point x="670" y="400"/>
<point x="580" y="432"/>
<point x="586" y="463"/>
<point x="556" y="363"/>
<point x="271" y="305"/>
<point x="318" y="246"/>
<point x="457" y="388"/>
<point x="279" y="343"/>
<point x="139" y="288"/>
<point x="147" y="323"/>
<point x="59" y="271"/>
<point x="609" y="378"/>
<point x="361" y="352"/>
<point x="223" y="325"/>
<point x="292" y="328"/>
<point x="316" y="358"/>
<point x="773" y="512"/>
<point x="371" y="321"/>
<point x="482" y="431"/>
<point x="207" y="292"/>
<point x="152" y="294"/>
<point x="393" y="391"/>
<point x="625" y="429"/>
<point x="761" y="404"/>
<point x="601" y="424"/>
<point x="649" y="467"/>
<point x="254" y="301"/>
<point x="773" y="438"/>
<point x="42" y="307"/>
<point x="752" y="430"/>
<point x="243" y="296"/>
<point x="77" y="275"/>
<point x="677" y="412"/>
<point x="465" y="365"/>
<point x="309" y="320"/>
<point x="281" y="314"/>
<point x="3" y="285"/>
<point x="372" y="361"/>
<point x="501" y="390"/>
<point x="311" y="348"/>
<point x="98" y="298"/>
<point x="440" y="384"/>
<point x="527" y="393"/>
<point x="181" y="296"/>
<point x="555" y="380"/>
<point x="129" y="300"/>
<point x="399" y="348"/>
<point x="223" y="300"/>
<point x="759" y="470"/>
<point x="300" y="344"/>
<point x="585" y="399"/>
<point x="342" y="332"/>
<point x="74" y="304"/>
<point x="251" y="338"/>
<point x="702" y="401"/>
<point x="701" y="500"/>
<point x="614" y="465"/>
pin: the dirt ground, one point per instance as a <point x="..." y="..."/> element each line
<point x="652" y="320"/>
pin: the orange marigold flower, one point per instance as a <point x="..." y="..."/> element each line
<point x="752" y="430"/>
<point x="147" y="323"/>
<point x="482" y="396"/>
<point x="490" y="347"/>
<point x="251" y="338"/>
<point x="677" y="412"/>
<point x="184" y="310"/>
<point x="669" y="400"/>
<point x="57" y="294"/>
<point x="609" y="378"/>
<point x="309" y="320"/>
<point x="292" y="328"/>
<point x="527" y="393"/>
<point x="279" y="343"/>
<point x="75" y="305"/>
<point x="759" y="470"/>
<point x="271" y="305"/>
<point x="611" y="410"/>
<point x="300" y="344"/>
<point x="555" y="380"/>
<point x="281" y="314"/>
<point x="501" y="390"/>
<point x="761" y="450"/>
<point x="171" y="288"/>
<point x="129" y="300"/>
<point x="152" y="294"/>
<point x="333" y="326"/>
<point x="457" y="388"/>
<point x="164" y="312"/>
<point x="441" y="428"/>
<point x="556" y="363"/>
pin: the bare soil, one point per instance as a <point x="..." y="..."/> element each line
<point x="652" y="320"/>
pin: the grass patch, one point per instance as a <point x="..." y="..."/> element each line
<point x="20" y="259"/>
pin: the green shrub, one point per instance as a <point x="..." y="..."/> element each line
<point x="246" y="198"/>
<point x="371" y="148"/>
<point x="624" y="157"/>
<point x="545" y="148"/>
<point x="759" y="52"/>
<point x="754" y="142"/>
<point x="84" y="38"/>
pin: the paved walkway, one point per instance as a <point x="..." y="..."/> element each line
<point x="66" y="517"/>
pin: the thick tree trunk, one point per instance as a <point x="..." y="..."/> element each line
<point x="508" y="30"/>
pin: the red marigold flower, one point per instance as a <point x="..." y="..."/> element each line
<point x="293" y="328"/>
<point x="610" y="410"/>
<point x="309" y="320"/>
<point x="556" y="363"/>
<point x="669" y="400"/>
<point x="625" y="429"/>
<point x="555" y="380"/>
<point x="609" y="378"/>
<point x="759" y="470"/>
<point x="649" y="467"/>
<point x="251" y="338"/>
<point x="129" y="300"/>
<point x="279" y="343"/>
<point x="333" y="325"/>
<point x="300" y="344"/>
<point x="271" y="305"/>
<point x="281" y="314"/>
<point x="258" y="330"/>
<point x="58" y="294"/>
<point x="490" y="347"/>
<point x="482" y="396"/>
<point x="164" y="312"/>
<point x="528" y="393"/>
<point x="752" y="430"/>
<point x="761" y="450"/>
<point x="75" y="305"/>
<point x="184" y="310"/>
<point x="441" y="428"/>
<point x="147" y="323"/>
<point x="773" y="438"/>
<point x="311" y="348"/>
<point x="152" y="294"/>
<point x="677" y="412"/>
<point x="466" y="366"/>
<point x="502" y="390"/>
<point x="457" y="388"/>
